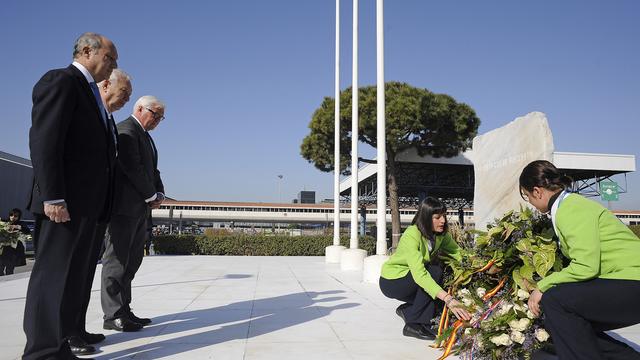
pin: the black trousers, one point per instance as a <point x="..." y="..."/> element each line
<point x="55" y="292"/>
<point x="94" y="252"/>
<point x="578" y="314"/>
<point x="418" y="306"/>
<point x="124" y="250"/>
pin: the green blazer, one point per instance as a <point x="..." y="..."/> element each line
<point x="598" y="244"/>
<point x="413" y="253"/>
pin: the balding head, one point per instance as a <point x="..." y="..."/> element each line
<point x="116" y="90"/>
<point x="97" y="54"/>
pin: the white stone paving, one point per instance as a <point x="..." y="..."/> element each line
<point x="227" y="307"/>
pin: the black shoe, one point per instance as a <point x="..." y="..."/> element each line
<point x="417" y="331"/>
<point x="79" y="346"/>
<point x="141" y="321"/>
<point x="121" y="324"/>
<point x="400" y="313"/>
<point x="90" y="338"/>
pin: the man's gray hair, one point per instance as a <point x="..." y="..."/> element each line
<point x="117" y="76"/>
<point x="148" y="101"/>
<point x="92" y="40"/>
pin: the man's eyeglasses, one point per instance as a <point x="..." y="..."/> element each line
<point x="155" y="115"/>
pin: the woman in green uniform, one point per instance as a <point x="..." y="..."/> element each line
<point x="413" y="274"/>
<point x="599" y="289"/>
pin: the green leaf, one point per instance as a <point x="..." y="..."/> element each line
<point x="543" y="262"/>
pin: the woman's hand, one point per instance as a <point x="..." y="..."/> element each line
<point x="534" y="302"/>
<point x="457" y="309"/>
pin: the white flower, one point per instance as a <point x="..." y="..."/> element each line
<point x="481" y="291"/>
<point x="464" y="293"/>
<point x="502" y="339"/>
<point x="518" y="307"/>
<point x="517" y="336"/>
<point x="530" y="315"/>
<point x="504" y="309"/>
<point x="475" y="318"/>
<point x="522" y="294"/>
<point x="466" y="301"/>
<point x="467" y="331"/>
<point x="519" y="325"/>
<point x="479" y="343"/>
<point x="542" y="335"/>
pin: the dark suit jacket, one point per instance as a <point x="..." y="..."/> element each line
<point x="137" y="175"/>
<point x="73" y="155"/>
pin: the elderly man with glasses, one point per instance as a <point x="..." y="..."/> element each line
<point x="139" y="189"/>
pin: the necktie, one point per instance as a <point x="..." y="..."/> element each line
<point x="96" y="94"/>
<point x="153" y="149"/>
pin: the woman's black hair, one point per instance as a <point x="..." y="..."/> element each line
<point x="16" y="212"/>
<point x="542" y="173"/>
<point x="424" y="217"/>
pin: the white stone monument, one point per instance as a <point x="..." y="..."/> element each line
<point x="498" y="159"/>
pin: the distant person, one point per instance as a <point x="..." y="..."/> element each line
<point x="114" y="92"/>
<point x="70" y="143"/>
<point x="139" y="190"/>
<point x="599" y="289"/>
<point x="13" y="257"/>
<point x="413" y="274"/>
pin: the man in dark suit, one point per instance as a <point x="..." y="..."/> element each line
<point x="114" y="92"/>
<point x="139" y="190"/>
<point x="70" y="146"/>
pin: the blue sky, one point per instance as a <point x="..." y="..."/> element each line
<point x="241" y="79"/>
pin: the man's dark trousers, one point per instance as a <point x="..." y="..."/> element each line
<point x="123" y="255"/>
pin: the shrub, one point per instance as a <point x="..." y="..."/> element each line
<point x="252" y="245"/>
<point x="175" y="244"/>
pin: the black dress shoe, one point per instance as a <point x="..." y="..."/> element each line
<point x="91" y="338"/>
<point x="121" y="324"/>
<point x="417" y="331"/>
<point x="141" y="321"/>
<point x="400" y="313"/>
<point x="79" y="346"/>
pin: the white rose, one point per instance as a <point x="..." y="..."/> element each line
<point x="542" y="335"/>
<point x="463" y="292"/>
<point x="517" y="336"/>
<point x="501" y="340"/>
<point x="481" y="291"/>
<point x="467" y="302"/>
<point x="519" y="325"/>
<point x="522" y="294"/>
<point x="518" y="307"/>
<point x="467" y="331"/>
<point x="530" y="315"/>
<point x="479" y="343"/>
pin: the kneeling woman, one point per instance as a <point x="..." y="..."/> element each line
<point x="599" y="289"/>
<point x="413" y="274"/>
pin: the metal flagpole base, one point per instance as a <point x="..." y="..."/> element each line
<point x="352" y="259"/>
<point x="332" y="253"/>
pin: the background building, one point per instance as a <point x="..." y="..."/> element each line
<point x="16" y="180"/>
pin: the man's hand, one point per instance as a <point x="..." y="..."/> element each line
<point x="57" y="212"/>
<point x="155" y="204"/>
<point x="534" y="302"/>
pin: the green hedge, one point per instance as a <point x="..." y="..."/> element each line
<point x="252" y="245"/>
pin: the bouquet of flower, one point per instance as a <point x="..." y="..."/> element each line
<point x="9" y="235"/>
<point x="492" y="281"/>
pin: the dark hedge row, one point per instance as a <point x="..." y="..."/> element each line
<point x="252" y="245"/>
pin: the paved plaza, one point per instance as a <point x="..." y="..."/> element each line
<point x="228" y="307"/>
